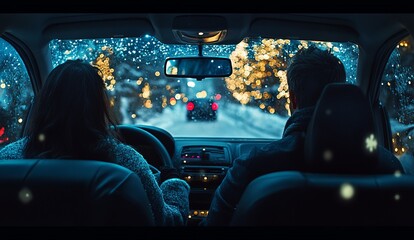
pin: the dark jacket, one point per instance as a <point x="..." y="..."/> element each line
<point x="281" y="155"/>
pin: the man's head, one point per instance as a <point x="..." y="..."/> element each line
<point x="309" y="72"/>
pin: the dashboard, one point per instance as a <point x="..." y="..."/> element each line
<point x="202" y="162"/>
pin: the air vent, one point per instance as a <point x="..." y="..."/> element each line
<point x="210" y="170"/>
<point x="203" y="177"/>
<point x="204" y="155"/>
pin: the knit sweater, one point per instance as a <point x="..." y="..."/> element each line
<point x="169" y="201"/>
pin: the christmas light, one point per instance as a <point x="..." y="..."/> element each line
<point x="102" y="62"/>
<point x="259" y="67"/>
<point x="260" y="64"/>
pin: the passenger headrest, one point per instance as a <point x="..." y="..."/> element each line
<point x="341" y="137"/>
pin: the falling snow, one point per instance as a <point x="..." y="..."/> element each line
<point x="371" y="143"/>
<point x="16" y="93"/>
<point x="347" y="191"/>
<point x="150" y="96"/>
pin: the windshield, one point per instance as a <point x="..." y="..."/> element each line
<point x="251" y="103"/>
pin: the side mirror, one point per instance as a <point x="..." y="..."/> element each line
<point x="198" y="67"/>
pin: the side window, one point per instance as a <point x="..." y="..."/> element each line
<point x="397" y="95"/>
<point x="16" y="93"/>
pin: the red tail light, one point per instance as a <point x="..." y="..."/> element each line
<point x="190" y="106"/>
<point x="214" y="106"/>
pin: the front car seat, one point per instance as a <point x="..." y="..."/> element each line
<point x="57" y="192"/>
<point x="344" y="186"/>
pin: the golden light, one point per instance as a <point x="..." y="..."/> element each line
<point x="403" y="44"/>
<point x="329" y="45"/>
<point x="287" y="107"/>
<point x="201" y="94"/>
<point x="157" y="74"/>
<point x="262" y="106"/>
<point x="102" y="62"/>
<point x="174" y="70"/>
<point x="173" y="101"/>
<point x="263" y="68"/>
<point x="146" y="92"/>
<point x="20" y="120"/>
<point x="133" y="115"/>
<point x="177" y="96"/>
<point x="2" y="85"/>
<point x="148" y="104"/>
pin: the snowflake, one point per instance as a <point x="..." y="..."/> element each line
<point x="371" y="143"/>
<point x="347" y="191"/>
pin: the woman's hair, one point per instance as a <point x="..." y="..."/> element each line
<point x="70" y="115"/>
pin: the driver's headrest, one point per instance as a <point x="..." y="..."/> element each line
<point x="341" y="137"/>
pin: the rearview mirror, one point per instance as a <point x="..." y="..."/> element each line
<point x="197" y="67"/>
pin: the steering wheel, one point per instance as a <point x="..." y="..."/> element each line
<point x="136" y="136"/>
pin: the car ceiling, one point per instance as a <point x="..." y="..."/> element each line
<point x="369" y="30"/>
<point x="358" y="27"/>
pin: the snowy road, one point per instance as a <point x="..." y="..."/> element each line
<point x="232" y="121"/>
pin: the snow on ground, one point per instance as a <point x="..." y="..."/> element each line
<point x="233" y="121"/>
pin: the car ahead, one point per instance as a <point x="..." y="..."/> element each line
<point x="202" y="109"/>
<point x="377" y="50"/>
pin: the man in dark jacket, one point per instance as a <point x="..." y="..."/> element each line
<point x="310" y="71"/>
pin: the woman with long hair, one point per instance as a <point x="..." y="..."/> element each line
<point x="71" y="119"/>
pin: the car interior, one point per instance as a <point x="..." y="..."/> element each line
<point x="344" y="189"/>
<point x="242" y="60"/>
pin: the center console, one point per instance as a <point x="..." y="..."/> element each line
<point x="203" y="167"/>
